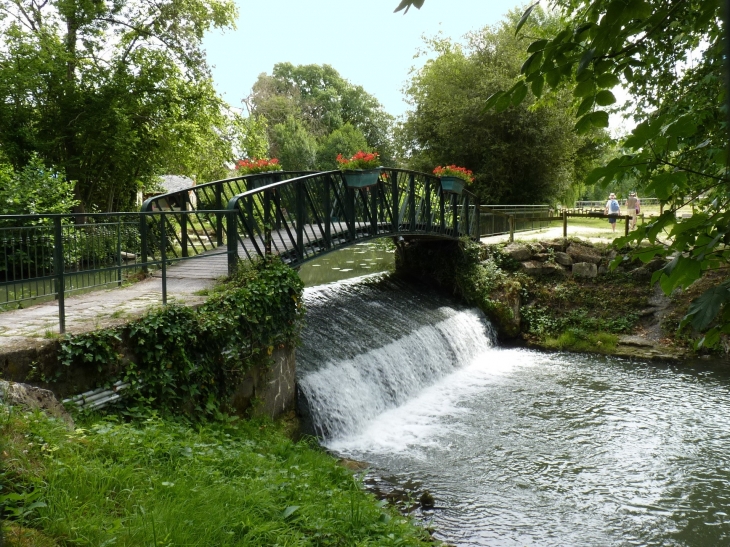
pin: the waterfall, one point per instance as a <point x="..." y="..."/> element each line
<point x="370" y="345"/>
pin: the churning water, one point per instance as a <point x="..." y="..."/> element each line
<point x="519" y="447"/>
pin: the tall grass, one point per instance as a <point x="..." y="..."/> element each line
<point x="160" y="482"/>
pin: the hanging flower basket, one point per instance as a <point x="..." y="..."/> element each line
<point x="453" y="185"/>
<point x="453" y="178"/>
<point x="361" y="178"/>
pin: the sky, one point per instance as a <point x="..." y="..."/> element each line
<point x="363" y="40"/>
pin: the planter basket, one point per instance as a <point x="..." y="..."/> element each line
<point x="361" y="178"/>
<point x="453" y="185"/>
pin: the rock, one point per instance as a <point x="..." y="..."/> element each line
<point x="602" y="270"/>
<point x="427" y="500"/>
<point x="34" y="398"/>
<point x="583" y="253"/>
<point x="585" y="269"/>
<point x="517" y="252"/>
<point x="557" y="245"/>
<point x="638" y="341"/>
<point x="534" y="267"/>
<point x="563" y="259"/>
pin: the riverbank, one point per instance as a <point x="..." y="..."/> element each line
<point x="562" y="294"/>
<point x="163" y="481"/>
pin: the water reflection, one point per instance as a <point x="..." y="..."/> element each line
<point x="358" y="260"/>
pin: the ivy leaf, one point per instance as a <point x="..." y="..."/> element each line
<point x="524" y="18"/>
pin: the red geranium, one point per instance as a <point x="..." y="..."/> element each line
<point x="361" y="160"/>
<point x="453" y="171"/>
<point x="257" y="165"/>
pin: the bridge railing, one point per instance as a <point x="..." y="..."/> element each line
<point x="204" y="228"/>
<point x="303" y="217"/>
<point x="46" y="257"/>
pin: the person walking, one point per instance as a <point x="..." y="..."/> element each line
<point x="632" y="208"/>
<point x="613" y="210"/>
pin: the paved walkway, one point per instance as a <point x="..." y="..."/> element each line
<point x="105" y="308"/>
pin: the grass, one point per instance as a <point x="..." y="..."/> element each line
<point x="162" y="482"/>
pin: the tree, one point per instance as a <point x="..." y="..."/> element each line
<point x="294" y="146"/>
<point x="527" y="154"/>
<point x="322" y="101"/>
<point x="113" y="93"/>
<point x="670" y="56"/>
<point x="346" y="140"/>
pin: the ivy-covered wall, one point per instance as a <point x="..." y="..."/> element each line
<point x="222" y="356"/>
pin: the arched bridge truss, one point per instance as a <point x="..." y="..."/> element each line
<point x="300" y="216"/>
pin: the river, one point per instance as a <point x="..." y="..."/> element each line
<point x="518" y="447"/>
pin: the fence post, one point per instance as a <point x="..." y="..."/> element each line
<point x="267" y="222"/>
<point x="396" y="200"/>
<point x="327" y="211"/>
<point x="465" y="208"/>
<point x="143" y="241"/>
<point x="429" y="222"/>
<point x="374" y="209"/>
<point x="119" y="250"/>
<point x="627" y="225"/>
<point x="58" y="266"/>
<point x="184" y="226"/>
<point x="511" y="220"/>
<point x="300" y="213"/>
<point x="232" y="242"/>
<point x="565" y="223"/>
<point x="219" y="215"/>
<point x="163" y="258"/>
<point x="478" y="213"/>
<point x="412" y="201"/>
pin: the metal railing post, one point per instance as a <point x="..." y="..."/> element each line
<point x="374" y="209"/>
<point x="396" y="200"/>
<point x="466" y="214"/>
<point x="511" y="221"/>
<point x="327" y="211"/>
<point x="350" y="211"/>
<point x="300" y="212"/>
<point x="412" y="201"/>
<point x="455" y="205"/>
<point x="119" y="250"/>
<point x="267" y="222"/>
<point x="143" y="241"/>
<point x="565" y="223"/>
<point x="163" y="258"/>
<point x="429" y="222"/>
<point x="232" y="241"/>
<point x="59" y="266"/>
<point x="219" y="216"/>
<point x="478" y="213"/>
<point x="184" y="227"/>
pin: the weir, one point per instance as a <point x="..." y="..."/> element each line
<point x="371" y="345"/>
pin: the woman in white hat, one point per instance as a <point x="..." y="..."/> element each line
<point x="613" y="209"/>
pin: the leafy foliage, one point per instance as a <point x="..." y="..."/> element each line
<point x="526" y="153"/>
<point x="34" y="189"/>
<point x="321" y="102"/>
<point x="113" y="93"/>
<point x="190" y="360"/>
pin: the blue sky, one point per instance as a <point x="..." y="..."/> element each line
<point x="363" y="40"/>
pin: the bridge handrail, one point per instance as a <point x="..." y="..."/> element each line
<point x="353" y="213"/>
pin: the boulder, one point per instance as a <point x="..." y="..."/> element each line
<point x="518" y="252"/>
<point x="563" y="259"/>
<point x="583" y="253"/>
<point x="534" y="267"/>
<point x="585" y="269"/>
<point x="34" y="398"/>
<point x="557" y="245"/>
